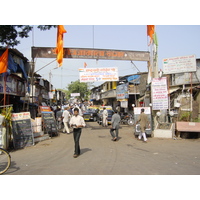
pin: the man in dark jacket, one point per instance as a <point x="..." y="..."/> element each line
<point x="114" y="131"/>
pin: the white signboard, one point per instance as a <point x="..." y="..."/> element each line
<point x="179" y="64"/>
<point x="98" y="74"/>
<point x="75" y="94"/>
<point x="124" y="104"/>
<point x="159" y="94"/>
<point x="21" y="116"/>
<point x="137" y="110"/>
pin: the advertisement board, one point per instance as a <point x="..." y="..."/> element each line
<point x="122" y="91"/>
<point x="98" y="74"/>
<point x="159" y="94"/>
<point x="179" y="64"/>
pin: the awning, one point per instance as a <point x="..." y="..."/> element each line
<point x="171" y="90"/>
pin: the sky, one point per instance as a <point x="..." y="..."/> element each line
<point x="173" y="40"/>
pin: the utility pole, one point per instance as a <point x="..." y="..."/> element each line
<point x="50" y="74"/>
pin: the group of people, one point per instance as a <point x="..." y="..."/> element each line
<point x="72" y="118"/>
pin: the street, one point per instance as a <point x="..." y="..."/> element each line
<point x="101" y="156"/>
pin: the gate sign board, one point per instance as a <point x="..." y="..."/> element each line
<point x="159" y="94"/>
<point x="88" y="53"/>
<point x="98" y="74"/>
<point x="179" y="64"/>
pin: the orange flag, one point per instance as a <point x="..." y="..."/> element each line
<point x="150" y="32"/>
<point x="59" y="49"/>
<point x="85" y="64"/>
<point x="4" y="62"/>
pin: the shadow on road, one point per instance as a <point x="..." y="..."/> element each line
<point x="85" y="150"/>
<point x="12" y="168"/>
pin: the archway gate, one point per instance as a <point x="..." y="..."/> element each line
<point x="91" y="53"/>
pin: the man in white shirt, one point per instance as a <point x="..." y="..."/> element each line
<point x="66" y="116"/>
<point x="77" y="122"/>
<point x="105" y="117"/>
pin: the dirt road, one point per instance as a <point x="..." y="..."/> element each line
<point x="101" y="156"/>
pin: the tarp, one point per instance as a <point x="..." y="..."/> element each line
<point x="14" y="67"/>
<point x="134" y="79"/>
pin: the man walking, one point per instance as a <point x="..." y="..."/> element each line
<point x="66" y="116"/>
<point x="143" y="121"/>
<point x="105" y="117"/>
<point x="77" y="122"/>
<point x="115" y="126"/>
<point x="59" y="117"/>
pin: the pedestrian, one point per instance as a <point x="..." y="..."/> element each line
<point x="105" y="117"/>
<point x="59" y="117"/>
<point x="143" y="122"/>
<point x="77" y="122"/>
<point x="66" y="116"/>
<point x="114" y="131"/>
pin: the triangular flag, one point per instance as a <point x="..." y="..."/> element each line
<point x="59" y="49"/>
<point x="4" y="62"/>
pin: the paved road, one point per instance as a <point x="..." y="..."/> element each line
<point x="101" y="156"/>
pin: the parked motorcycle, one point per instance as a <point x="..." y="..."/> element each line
<point x="130" y="120"/>
<point x="127" y="119"/>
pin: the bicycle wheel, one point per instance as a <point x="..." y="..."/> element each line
<point x="5" y="160"/>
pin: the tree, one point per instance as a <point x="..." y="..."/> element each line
<point x="78" y="87"/>
<point x="9" y="33"/>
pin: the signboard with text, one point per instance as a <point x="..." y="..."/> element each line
<point x="159" y="94"/>
<point x="179" y="64"/>
<point x="22" y="130"/>
<point x="75" y="94"/>
<point x="88" y="53"/>
<point x="122" y="91"/>
<point x="98" y="74"/>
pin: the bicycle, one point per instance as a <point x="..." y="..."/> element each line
<point x="5" y="160"/>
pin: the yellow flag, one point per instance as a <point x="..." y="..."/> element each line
<point x="4" y="62"/>
<point x="59" y="49"/>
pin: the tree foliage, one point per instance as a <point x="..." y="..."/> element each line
<point x="78" y="87"/>
<point x="10" y="34"/>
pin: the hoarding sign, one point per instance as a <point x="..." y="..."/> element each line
<point x="98" y="74"/>
<point x="179" y="64"/>
<point x="122" y="91"/>
<point x="160" y="94"/>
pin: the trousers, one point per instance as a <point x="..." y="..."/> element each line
<point x="142" y="134"/>
<point x="105" y="121"/>
<point x="66" y="128"/>
<point x="77" y="135"/>
<point x="114" y="132"/>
